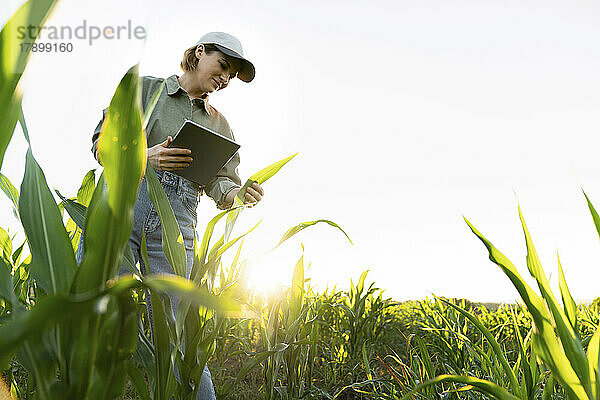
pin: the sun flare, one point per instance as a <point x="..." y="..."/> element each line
<point x="270" y="273"/>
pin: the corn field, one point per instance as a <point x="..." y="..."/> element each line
<point x="81" y="331"/>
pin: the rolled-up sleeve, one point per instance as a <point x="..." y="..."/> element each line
<point x="225" y="180"/>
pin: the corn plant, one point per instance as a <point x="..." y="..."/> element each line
<point x="555" y="340"/>
<point x="485" y="355"/>
<point x="447" y="329"/>
<point x="287" y="335"/>
<point x="354" y="323"/>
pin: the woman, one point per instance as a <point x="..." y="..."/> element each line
<point x="208" y="67"/>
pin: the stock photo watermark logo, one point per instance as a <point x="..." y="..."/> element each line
<point x="84" y="31"/>
<point x="63" y="38"/>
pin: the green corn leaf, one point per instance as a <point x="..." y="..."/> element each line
<point x="222" y="249"/>
<point x="205" y="349"/>
<point x="151" y="106"/>
<point x="86" y="190"/>
<point x="366" y="365"/>
<point x="427" y="365"/>
<point x="272" y="323"/>
<point x="6" y="286"/>
<point x="75" y="210"/>
<point x="267" y="173"/>
<point x="233" y="268"/>
<point x="11" y="192"/>
<point x="109" y="219"/>
<point x="548" y="388"/>
<point x="48" y="310"/>
<point x="116" y="344"/>
<point x="561" y="368"/>
<point x="186" y="289"/>
<point x="181" y="314"/>
<point x="172" y="243"/>
<point x="525" y="367"/>
<point x="77" y="213"/>
<point x="32" y="12"/>
<point x="122" y="145"/>
<point x="162" y="348"/>
<point x="294" y="327"/>
<point x="215" y="249"/>
<point x="425" y="358"/>
<point x="545" y="343"/>
<point x="53" y="261"/>
<point x="569" y="339"/>
<point x="161" y="338"/>
<point x="260" y="177"/>
<point x="222" y="276"/>
<point x="361" y="285"/>
<point x="514" y="383"/>
<point x="144" y="354"/>
<point x="259" y="358"/>
<point x="5" y="245"/>
<point x="479" y="385"/>
<point x="356" y="386"/>
<point x="201" y="252"/>
<point x="193" y="336"/>
<point x="593" y="359"/>
<point x="14" y="61"/>
<point x="107" y="335"/>
<point x="567" y="300"/>
<point x="595" y="216"/>
<point x="37" y="359"/>
<point x="16" y="256"/>
<point x="297" y="289"/>
<point x="10" y="105"/>
<point x="129" y="261"/>
<point x="91" y="274"/>
<point x="293" y="230"/>
<point x="137" y="379"/>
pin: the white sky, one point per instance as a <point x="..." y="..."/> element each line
<point x="407" y="115"/>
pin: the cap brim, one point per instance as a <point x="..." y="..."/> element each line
<point x="247" y="70"/>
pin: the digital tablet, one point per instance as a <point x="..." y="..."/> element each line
<point x="210" y="151"/>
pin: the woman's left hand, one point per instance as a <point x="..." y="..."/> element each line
<point x="254" y="194"/>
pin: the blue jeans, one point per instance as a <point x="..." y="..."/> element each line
<point x="183" y="196"/>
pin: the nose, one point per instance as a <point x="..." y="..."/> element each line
<point x="223" y="81"/>
<point x="224" y="77"/>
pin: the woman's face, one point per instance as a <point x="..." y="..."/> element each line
<point x="214" y="70"/>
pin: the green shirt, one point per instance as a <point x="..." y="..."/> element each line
<point x="172" y="109"/>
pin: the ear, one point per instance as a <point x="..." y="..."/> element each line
<point x="199" y="50"/>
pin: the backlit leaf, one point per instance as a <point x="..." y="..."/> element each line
<point x="53" y="262"/>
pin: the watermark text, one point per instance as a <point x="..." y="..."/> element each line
<point x="84" y="31"/>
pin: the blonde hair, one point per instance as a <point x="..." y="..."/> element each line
<point x="190" y="61"/>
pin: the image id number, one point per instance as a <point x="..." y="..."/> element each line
<point x="46" y="47"/>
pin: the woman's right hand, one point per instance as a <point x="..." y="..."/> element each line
<point x="168" y="159"/>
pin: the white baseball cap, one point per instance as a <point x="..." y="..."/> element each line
<point x="231" y="46"/>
